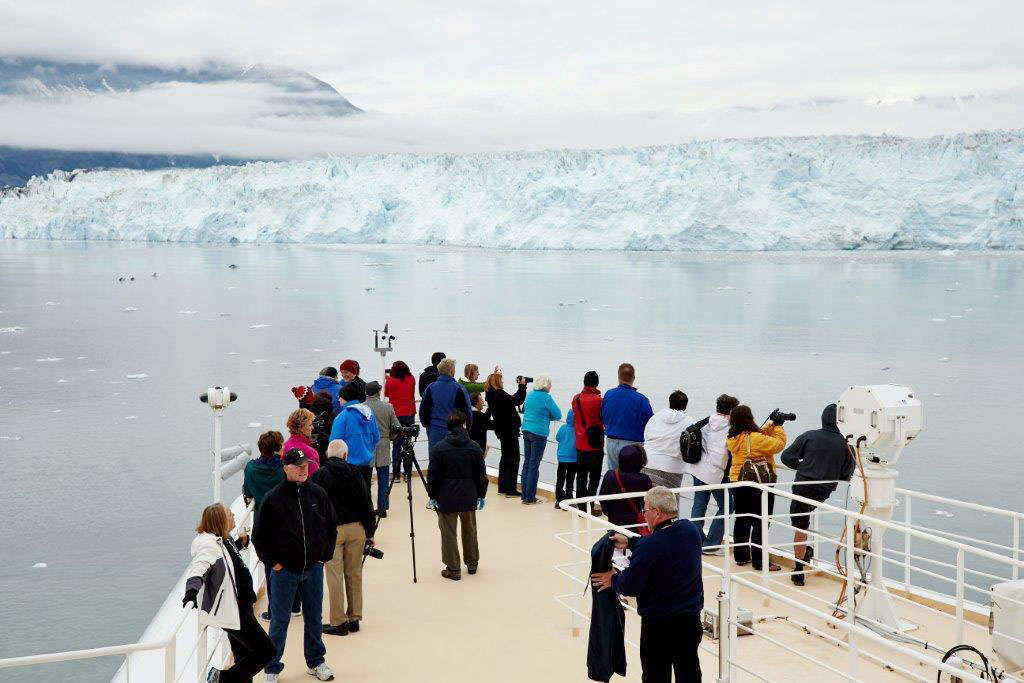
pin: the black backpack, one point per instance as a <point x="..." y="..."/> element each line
<point x="689" y="442"/>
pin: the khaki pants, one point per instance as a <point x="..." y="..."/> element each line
<point x="447" y="522"/>
<point x="347" y="561"/>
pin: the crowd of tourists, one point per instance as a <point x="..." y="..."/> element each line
<point x="316" y="513"/>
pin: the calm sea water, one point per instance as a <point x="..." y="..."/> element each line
<point x="103" y="440"/>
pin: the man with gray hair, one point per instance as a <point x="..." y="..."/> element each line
<point x="664" y="574"/>
<point x="439" y="400"/>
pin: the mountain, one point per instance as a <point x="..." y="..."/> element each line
<point x="297" y="94"/>
<point x="962" y="191"/>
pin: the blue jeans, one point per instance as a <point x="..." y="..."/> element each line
<point x="383" y="481"/>
<point x="310" y="585"/>
<point x="700" y="506"/>
<point x="612" y="447"/>
<point x="533" y="447"/>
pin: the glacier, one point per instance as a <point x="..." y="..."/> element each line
<point x="963" y="191"/>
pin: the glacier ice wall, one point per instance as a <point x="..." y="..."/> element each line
<point x="843" y="192"/>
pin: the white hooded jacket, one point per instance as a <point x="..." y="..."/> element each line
<point x="711" y="467"/>
<point x="661" y="440"/>
<point x="213" y="574"/>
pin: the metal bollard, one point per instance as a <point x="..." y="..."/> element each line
<point x="723" y="637"/>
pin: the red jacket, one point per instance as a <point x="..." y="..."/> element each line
<point x="401" y="393"/>
<point x="588" y="402"/>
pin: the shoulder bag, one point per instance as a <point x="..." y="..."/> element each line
<point x="757" y="470"/>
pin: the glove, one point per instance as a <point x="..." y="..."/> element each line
<point x="480" y="503"/>
<point x="190" y="597"/>
<point x="431" y="504"/>
<point x="776" y="417"/>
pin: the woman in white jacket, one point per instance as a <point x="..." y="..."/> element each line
<point x="665" y="464"/>
<point x="220" y="585"/>
<point x="712" y="469"/>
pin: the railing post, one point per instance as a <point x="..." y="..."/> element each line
<point x="577" y="560"/>
<point x="851" y="615"/>
<point x="218" y="414"/>
<point x="723" y="637"/>
<point x="764" y="545"/>
<point x="960" y="595"/>
<point x="201" y="654"/>
<point x="170" y="659"/>
<point x="907" y="516"/>
<point x="1016" y="547"/>
<point x="732" y="624"/>
<point x="726" y="544"/>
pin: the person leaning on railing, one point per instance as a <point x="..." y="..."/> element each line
<point x="748" y="442"/>
<point x="502" y="407"/>
<point x="538" y="413"/>
<point x="225" y="602"/>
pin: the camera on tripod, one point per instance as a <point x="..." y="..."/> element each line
<point x="778" y="417"/>
<point x="370" y="551"/>
<point x="410" y="432"/>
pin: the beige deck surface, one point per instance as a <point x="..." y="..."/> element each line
<point x="503" y="624"/>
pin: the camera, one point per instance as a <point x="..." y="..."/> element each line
<point x="521" y="379"/>
<point x="412" y="431"/>
<point x="370" y="551"/>
<point x="778" y="417"/>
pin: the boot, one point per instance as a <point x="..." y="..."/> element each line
<point x="802" y="565"/>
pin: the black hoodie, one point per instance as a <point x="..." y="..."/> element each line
<point x="820" y="454"/>
<point x="427" y="378"/>
<point x="457" y="476"/>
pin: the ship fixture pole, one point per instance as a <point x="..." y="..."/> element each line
<point x="218" y="398"/>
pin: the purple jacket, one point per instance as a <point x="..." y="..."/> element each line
<point x="303" y="443"/>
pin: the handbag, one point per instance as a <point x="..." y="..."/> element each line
<point x="594" y="433"/>
<point x="690" y="442"/>
<point x="643" y="529"/>
<point x="757" y="470"/>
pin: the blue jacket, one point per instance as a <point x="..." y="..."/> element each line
<point x="566" y="439"/>
<point x="665" y="571"/>
<point x="625" y="412"/>
<point x="440" y="398"/>
<point x="538" y="412"/>
<point x="357" y="427"/>
<point x="331" y="386"/>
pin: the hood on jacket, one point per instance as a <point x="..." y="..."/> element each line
<point x="632" y="459"/>
<point x="323" y="382"/>
<point x="457" y="437"/>
<point x="569" y="417"/>
<point x="669" y="416"/>
<point x="718" y="422"/>
<point x="360" y="408"/>
<point x="828" y="418"/>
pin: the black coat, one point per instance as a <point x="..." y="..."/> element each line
<point x="606" y="647"/>
<point x="295" y="526"/>
<point x="349" y="495"/>
<point x="321" y="435"/>
<point x="427" y="378"/>
<point x="820" y="455"/>
<point x="457" y="476"/>
<point x="478" y="428"/>
<point x="501" y="406"/>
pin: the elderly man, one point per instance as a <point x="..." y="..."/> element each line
<point x="665" y="576"/>
<point x="295" y="533"/>
<point x="439" y="400"/>
<point x="353" y="513"/>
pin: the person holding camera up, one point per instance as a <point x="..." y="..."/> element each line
<point x="439" y="400"/>
<point x="753" y="452"/>
<point x="818" y="455"/>
<point x="457" y="485"/>
<point x="353" y="511"/>
<point x="538" y="413"/>
<point x="502" y="407"/>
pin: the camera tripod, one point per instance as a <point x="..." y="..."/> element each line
<point x="408" y="455"/>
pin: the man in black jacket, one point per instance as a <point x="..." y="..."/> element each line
<point x="457" y="484"/>
<point x="819" y="455"/>
<point x="353" y="512"/>
<point x="429" y="373"/>
<point x="294" y="534"/>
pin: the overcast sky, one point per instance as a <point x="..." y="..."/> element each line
<point x="440" y="75"/>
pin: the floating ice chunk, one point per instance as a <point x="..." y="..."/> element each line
<point x="726" y="288"/>
<point x="12" y="330"/>
<point x="595" y="310"/>
<point x="79" y="357"/>
<point x="367" y="289"/>
<point x="317" y="350"/>
<point x="285" y="364"/>
<point x="232" y="353"/>
<point x="5" y="353"/>
<point x="824" y="318"/>
<point x="968" y="310"/>
<point x="425" y="259"/>
<point x="130" y="309"/>
<point x="938" y="320"/>
<point x="5" y="437"/>
<point x="943" y="513"/>
<point x="374" y="264"/>
<point x="59" y="410"/>
<point x="254" y="425"/>
<point x="583" y="301"/>
<point x="132" y="417"/>
<point x="224" y="315"/>
<point x="48" y="360"/>
<point x="13" y="369"/>
<point x="91" y="370"/>
<point x="467" y="291"/>
<point x="52" y="303"/>
<point x="39" y="565"/>
<point x="944" y="359"/>
<point x="815" y="353"/>
<point x="138" y="375"/>
<point x="956" y="317"/>
<point x="258" y="326"/>
<point x="885" y="368"/>
<point x="936" y="394"/>
<point x="259" y="360"/>
<point x="188" y="312"/>
<point x="62" y="381"/>
<point x="232" y="287"/>
<point x="609" y="338"/>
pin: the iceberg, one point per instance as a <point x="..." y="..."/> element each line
<point x="963" y="191"/>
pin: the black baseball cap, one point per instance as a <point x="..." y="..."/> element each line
<point x="294" y="456"/>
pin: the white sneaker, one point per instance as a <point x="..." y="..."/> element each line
<point x="270" y="678"/>
<point x="322" y="672"/>
<point x="716" y="552"/>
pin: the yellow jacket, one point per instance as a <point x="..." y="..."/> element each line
<point x="766" y="444"/>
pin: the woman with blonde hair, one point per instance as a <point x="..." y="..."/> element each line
<point x="502" y="408"/>
<point x="220" y="586"/>
<point x="300" y="430"/>
<point x="538" y="413"/>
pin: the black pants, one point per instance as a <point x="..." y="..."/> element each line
<point x="588" y="472"/>
<point x="508" y="466"/>
<point x="251" y="647"/>
<point x="747" y="502"/>
<point x="670" y="643"/>
<point x="565" y="475"/>
<point x="367" y="472"/>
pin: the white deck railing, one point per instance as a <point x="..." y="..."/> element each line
<point x="854" y="629"/>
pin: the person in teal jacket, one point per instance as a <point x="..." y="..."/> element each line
<point x="264" y="472"/>
<point x="538" y="412"/>
<point x="566" y="474"/>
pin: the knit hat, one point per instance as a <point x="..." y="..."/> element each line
<point x="329" y="372"/>
<point x="349" y="366"/>
<point x="372" y="388"/>
<point x="590" y="379"/>
<point x="300" y="392"/>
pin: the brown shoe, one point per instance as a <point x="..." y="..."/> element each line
<point x="449" y="574"/>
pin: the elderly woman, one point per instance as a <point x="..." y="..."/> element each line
<point x="502" y="408"/>
<point x="220" y="585"/>
<point x="300" y="430"/>
<point x="538" y="413"/>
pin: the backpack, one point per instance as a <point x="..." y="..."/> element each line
<point x="757" y="470"/>
<point x="690" y="442"/>
<point x="594" y="433"/>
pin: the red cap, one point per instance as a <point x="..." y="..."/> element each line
<point x="349" y="366"/>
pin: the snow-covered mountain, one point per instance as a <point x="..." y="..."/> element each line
<point x="842" y="192"/>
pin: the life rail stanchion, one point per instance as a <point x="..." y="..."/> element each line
<point x="765" y="556"/>
<point x="851" y="600"/>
